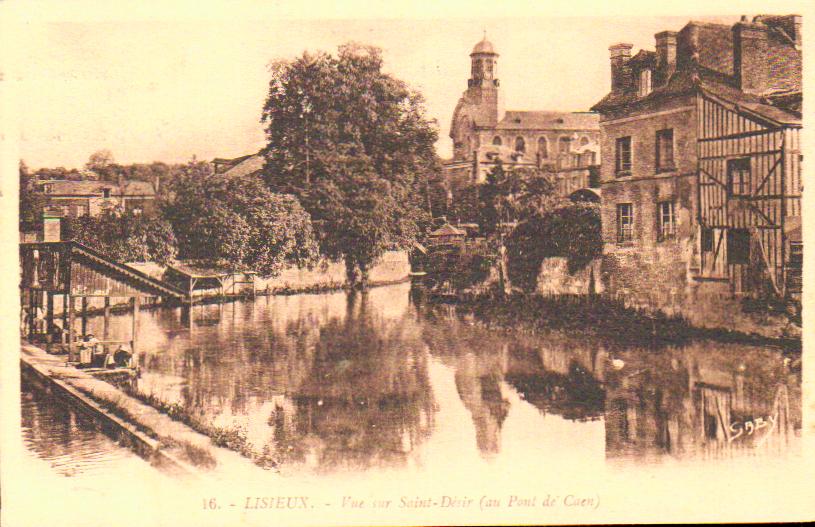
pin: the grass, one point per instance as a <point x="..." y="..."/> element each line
<point x="233" y="438"/>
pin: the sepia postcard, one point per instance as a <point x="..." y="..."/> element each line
<point x="415" y="263"/>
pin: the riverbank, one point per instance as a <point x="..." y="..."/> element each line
<point x="164" y="442"/>
<point x="606" y="317"/>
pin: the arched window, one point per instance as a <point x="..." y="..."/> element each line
<point x="496" y="140"/>
<point x="564" y="145"/>
<point x="543" y="148"/>
<point x="584" y="141"/>
<point x="520" y="144"/>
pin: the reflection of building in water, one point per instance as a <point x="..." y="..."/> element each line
<point x="698" y="400"/>
<point x="551" y="374"/>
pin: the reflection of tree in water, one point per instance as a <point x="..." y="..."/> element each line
<point x="694" y="399"/>
<point x="366" y="399"/>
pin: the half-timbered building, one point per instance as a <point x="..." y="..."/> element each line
<point x="703" y="180"/>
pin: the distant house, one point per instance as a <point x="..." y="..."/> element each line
<point x="239" y="166"/>
<point x="89" y="198"/>
<point x="447" y="234"/>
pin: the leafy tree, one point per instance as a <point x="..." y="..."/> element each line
<point x="572" y="231"/>
<point x="354" y="145"/>
<point x="238" y="222"/>
<point x="125" y="236"/>
<point x="31" y="202"/>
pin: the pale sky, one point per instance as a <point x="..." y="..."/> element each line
<point x="168" y="88"/>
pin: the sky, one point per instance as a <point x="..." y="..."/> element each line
<point x="166" y="88"/>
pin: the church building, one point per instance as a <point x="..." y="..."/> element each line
<point x="483" y="133"/>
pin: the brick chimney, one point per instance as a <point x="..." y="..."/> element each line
<point x="666" y="52"/>
<point x="750" y="63"/>
<point x="619" y="55"/>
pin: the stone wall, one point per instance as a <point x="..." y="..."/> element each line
<point x="555" y="278"/>
<point x="393" y="266"/>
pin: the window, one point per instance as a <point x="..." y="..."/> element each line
<point x="543" y="148"/>
<point x="105" y="192"/>
<point x="584" y="141"/>
<point x="496" y="141"/>
<point x="520" y="144"/>
<point x="47" y="188"/>
<point x="623" y="155"/>
<point x="645" y="83"/>
<point x="738" y="246"/>
<point x="707" y="239"/>
<point x="738" y="177"/>
<point x="625" y="222"/>
<point x="564" y="145"/>
<point x="667" y="220"/>
<point x="665" y="150"/>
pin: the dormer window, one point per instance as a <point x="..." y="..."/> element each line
<point x="645" y="82"/>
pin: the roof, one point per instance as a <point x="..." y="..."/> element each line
<point x="129" y="187"/>
<point x="527" y="120"/>
<point x="199" y="269"/>
<point x="711" y="71"/>
<point x="705" y="81"/>
<point x="448" y="230"/>
<point x="242" y="166"/>
<point x="484" y="47"/>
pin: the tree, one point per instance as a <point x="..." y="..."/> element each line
<point x="237" y="222"/>
<point x="354" y="145"/>
<point x="32" y="202"/>
<point x="572" y="231"/>
<point x="125" y="236"/>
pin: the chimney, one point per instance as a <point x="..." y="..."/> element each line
<point x="619" y="54"/>
<point x="51" y="225"/>
<point x="666" y="52"/>
<point x="120" y="180"/>
<point x="750" y="56"/>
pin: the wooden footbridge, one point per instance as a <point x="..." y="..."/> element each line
<point x="71" y="271"/>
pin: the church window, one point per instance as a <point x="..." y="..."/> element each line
<point x="584" y="141"/>
<point x="543" y="148"/>
<point x="564" y="145"/>
<point x="496" y="140"/>
<point x="520" y="144"/>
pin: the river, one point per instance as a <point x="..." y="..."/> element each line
<point x="381" y="383"/>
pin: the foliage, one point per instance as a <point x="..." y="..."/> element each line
<point x="465" y="206"/>
<point x="355" y="147"/>
<point x="572" y="231"/>
<point x="238" y="222"/>
<point x="31" y="202"/>
<point x="461" y="267"/>
<point x="124" y="236"/>
<point x="515" y="195"/>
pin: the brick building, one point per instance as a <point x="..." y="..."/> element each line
<point x="80" y="198"/>
<point x="483" y="134"/>
<point x="702" y="180"/>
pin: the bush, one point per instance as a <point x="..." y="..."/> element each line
<point x="572" y="231"/>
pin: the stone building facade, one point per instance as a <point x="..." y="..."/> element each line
<point x="701" y="100"/>
<point x="88" y="198"/>
<point x="484" y="134"/>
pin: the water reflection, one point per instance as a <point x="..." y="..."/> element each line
<point x="335" y="382"/>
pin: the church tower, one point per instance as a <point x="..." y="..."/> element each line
<point x="479" y="105"/>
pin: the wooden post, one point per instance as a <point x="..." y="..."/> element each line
<point x="71" y="334"/>
<point x="106" y="326"/>
<point x="49" y="314"/>
<point x="135" y="330"/>
<point x="84" y="316"/>
<point x="64" y="313"/>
